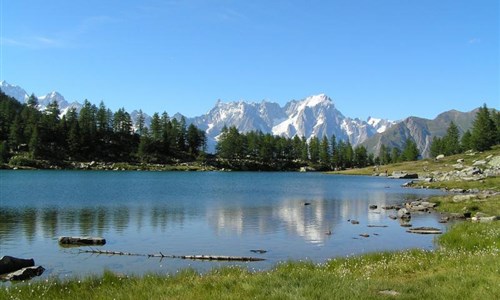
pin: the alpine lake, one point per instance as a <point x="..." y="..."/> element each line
<point x="291" y="216"/>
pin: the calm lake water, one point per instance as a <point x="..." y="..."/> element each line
<point x="189" y="213"/>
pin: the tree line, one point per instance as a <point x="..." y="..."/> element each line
<point x="485" y="133"/>
<point x="94" y="133"/>
<point x="240" y="150"/>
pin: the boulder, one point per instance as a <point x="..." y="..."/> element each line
<point x="485" y="219"/>
<point x="428" y="204"/>
<point x="10" y="264"/>
<point x="479" y="163"/>
<point x="470" y="171"/>
<point x="373" y="206"/>
<point x="461" y="198"/>
<point x="24" y="273"/>
<point x="440" y="156"/>
<point x="404" y="175"/>
<point x="460" y="160"/>
<point x="403" y="213"/>
<point x="495" y="162"/>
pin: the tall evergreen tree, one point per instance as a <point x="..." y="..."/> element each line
<point x="410" y="151"/>
<point x="32" y="101"/>
<point x="483" y="130"/>
<point x="395" y="155"/>
<point x="437" y="146"/>
<point x="314" y="149"/>
<point x="360" y="157"/>
<point x="451" y="140"/>
<point x="324" y="152"/>
<point x="466" y="141"/>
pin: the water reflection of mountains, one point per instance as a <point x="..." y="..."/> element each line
<point x="310" y="222"/>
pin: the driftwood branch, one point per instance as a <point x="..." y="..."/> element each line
<point x="161" y="255"/>
<point x="110" y="252"/>
<point x="209" y="257"/>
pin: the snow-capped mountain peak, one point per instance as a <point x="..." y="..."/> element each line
<point x="317" y="100"/>
<point x="14" y="91"/>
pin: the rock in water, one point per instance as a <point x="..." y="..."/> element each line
<point x="25" y="273"/>
<point x="403" y="213"/>
<point x="10" y="264"/>
<point x="81" y="240"/>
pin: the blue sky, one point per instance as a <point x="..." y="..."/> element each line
<point x="384" y="58"/>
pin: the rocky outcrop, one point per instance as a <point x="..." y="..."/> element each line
<point x="480" y="169"/>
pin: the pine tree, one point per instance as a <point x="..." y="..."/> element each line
<point x="32" y="101"/>
<point x="4" y="152"/>
<point x="324" y="154"/>
<point x="466" y="141"/>
<point x="437" y="146"/>
<point x="156" y="128"/>
<point x="34" y="144"/>
<point x="496" y="119"/>
<point x="103" y="119"/>
<point x="395" y="155"/>
<point x="483" y="130"/>
<point x="452" y="140"/>
<point x="314" y="149"/>
<point x="140" y="122"/>
<point x="360" y="157"/>
<point x="304" y="155"/>
<point x="410" y="151"/>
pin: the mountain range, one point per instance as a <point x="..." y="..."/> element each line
<point x="313" y="116"/>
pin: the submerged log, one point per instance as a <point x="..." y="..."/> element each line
<point x="209" y="257"/>
<point x="161" y="255"/>
<point x="425" y="230"/>
<point x="107" y="252"/>
<point x="10" y="264"/>
<point x="81" y="240"/>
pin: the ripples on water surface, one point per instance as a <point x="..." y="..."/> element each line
<point x="187" y="213"/>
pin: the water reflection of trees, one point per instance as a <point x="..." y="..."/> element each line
<point x="51" y="222"/>
<point x="311" y="222"/>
